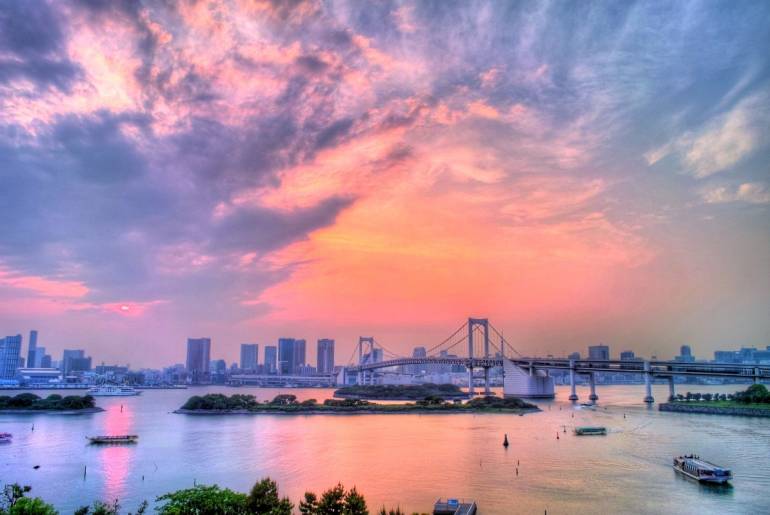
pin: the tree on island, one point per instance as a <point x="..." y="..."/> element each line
<point x="335" y="501"/>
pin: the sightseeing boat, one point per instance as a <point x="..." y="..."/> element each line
<point x="5" y="437"/>
<point x="112" y="390"/>
<point x="114" y="439"/>
<point x="590" y="430"/>
<point x="701" y="470"/>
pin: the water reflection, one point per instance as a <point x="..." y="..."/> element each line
<point x="115" y="460"/>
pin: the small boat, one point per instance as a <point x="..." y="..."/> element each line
<point x="112" y="390"/>
<point x="701" y="470"/>
<point x="5" y="437"/>
<point x="114" y="439"/>
<point x="590" y="430"/>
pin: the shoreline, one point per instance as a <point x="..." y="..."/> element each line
<point x="714" y="410"/>
<point x="357" y="411"/>
<point x="18" y="411"/>
<point x="414" y="399"/>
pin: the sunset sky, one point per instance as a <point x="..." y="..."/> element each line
<point x="577" y="172"/>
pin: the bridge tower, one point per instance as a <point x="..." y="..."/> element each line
<point x="472" y="324"/>
<point x="369" y="342"/>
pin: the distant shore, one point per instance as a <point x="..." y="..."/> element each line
<point x="23" y="411"/>
<point x="706" y="409"/>
<point x="370" y="410"/>
<point x="401" y="392"/>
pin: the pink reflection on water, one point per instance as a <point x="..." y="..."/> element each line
<point x="115" y="459"/>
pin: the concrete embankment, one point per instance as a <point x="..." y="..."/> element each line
<point x="714" y="410"/>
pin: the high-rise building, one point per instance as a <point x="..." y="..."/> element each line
<point x="285" y="356"/>
<point x="685" y="354"/>
<point x="599" y="352"/>
<point x="299" y="355"/>
<point x="74" y="361"/>
<point x="575" y="356"/>
<point x="325" y="356"/>
<point x="10" y="352"/>
<point x="38" y="358"/>
<point x="291" y="355"/>
<point x="32" y="349"/>
<point x="627" y="355"/>
<point x="249" y="356"/>
<point x="45" y="361"/>
<point x="198" y="358"/>
<point x="271" y="359"/>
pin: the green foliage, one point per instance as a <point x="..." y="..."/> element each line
<point x="204" y="500"/>
<point x="400" y="392"/>
<point x="335" y="501"/>
<point x="99" y="508"/>
<point x="263" y="499"/>
<point x="217" y="401"/>
<point x="754" y="394"/>
<point x="309" y="505"/>
<point x="491" y="402"/>
<point x="284" y="399"/>
<point x="31" y="506"/>
<point x="14" y="502"/>
<point x="30" y="401"/>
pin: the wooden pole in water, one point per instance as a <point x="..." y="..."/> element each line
<point x="85" y="469"/>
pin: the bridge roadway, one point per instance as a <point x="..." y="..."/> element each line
<point x="656" y="368"/>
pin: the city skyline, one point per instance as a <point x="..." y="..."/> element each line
<point x="249" y="170"/>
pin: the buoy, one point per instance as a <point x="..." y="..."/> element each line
<point x="557" y="435"/>
<point x="517" y="471"/>
<point x="36" y="467"/>
<point x="505" y="440"/>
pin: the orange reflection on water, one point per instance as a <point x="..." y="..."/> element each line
<point x="115" y="459"/>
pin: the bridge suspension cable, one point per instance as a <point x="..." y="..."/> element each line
<point x="503" y="341"/>
<point x="430" y="351"/>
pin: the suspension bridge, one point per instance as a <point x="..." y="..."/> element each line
<point x="478" y="346"/>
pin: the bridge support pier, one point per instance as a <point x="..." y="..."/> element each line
<point x="648" y="398"/>
<point x="592" y="381"/>
<point x="573" y="394"/>
<point x="487" y="391"/>
<point x="756" y="376"/>
<point x="671" y="392"/>
<point x="471" y="392"/>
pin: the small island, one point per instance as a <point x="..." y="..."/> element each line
<point x="218" y="404"/>
<point x="31" y="403"/>
<point x="753" y="402"/>
<point x="387" y="392"/>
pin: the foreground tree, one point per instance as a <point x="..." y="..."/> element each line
<point x="15" y="503"/>
<point x="204" y="500"/>
<point x="263" y="499"/>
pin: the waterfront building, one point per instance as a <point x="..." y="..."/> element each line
<point x="286" y="356"/>
<point x="218" y="371"/>
<point x="599" y="352"/>
<point x="325" y="356"/>
<point x="271" y="359"/>
<point x="627" y="355"/>
<point x="74" y="362"/>
<point x="575" y="356"/>
<point x="198" y="358"/>
<point x="10" y="352"/>
<point x="249" y="356"/>
<point x="299" y="354"/>
<point x="32" y="349"/>
<point x="39" y="376"/>
<point x="685" y="355"/>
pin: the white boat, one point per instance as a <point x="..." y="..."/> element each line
<point x="112" y="390"/>
<point x="701" y="470"/>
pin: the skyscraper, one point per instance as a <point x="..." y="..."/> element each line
<point x="74" y="361"/>
<point x="10" y="351"/>
<point x="249" y="356"/>
<point x="32" y="349"/>
<point x="198" y="357"/>
<point x="599" y="352"/>
<point x="271" y="358"/>
<point x="325" y="356"/>
<point x="285" y="356"/>
<point x="299" y="355"/>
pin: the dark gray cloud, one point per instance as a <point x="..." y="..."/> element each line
<point x="31" y="46"/>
